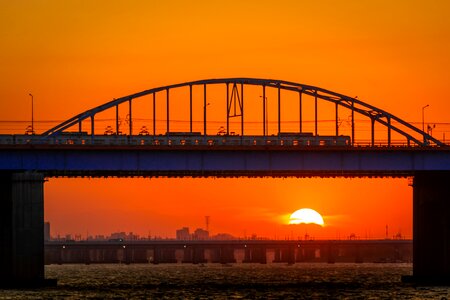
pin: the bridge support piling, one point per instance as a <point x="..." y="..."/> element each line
<point x="227" y="255"/>
<point x="291" y="256"/>
<point x="431" y="229"/>
<point x="198" y="255"/>
<point x="21" y="230"/>
<point x="255" y="255"/>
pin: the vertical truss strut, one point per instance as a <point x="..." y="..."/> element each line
<point x="117" y="119"/>
<point x="353" y="123"/>
<point x="337" y="118"/>
<point x="300" y="113"/>
<point x="167" y="112"/>
<point x="204" y="109"/>
<point x="242" y="109"/>
<point x="190" y="108"/>
<point x="264" y="111"/>
<point x="154" y="113"/>
<point x="235" y="105"/>
<point x="372" y="127"/>
<point x="228" y="112"/>
<point x="92" y="127"/>
<point x="315" y="113"/>
<point x="130" y="120"/>
<point x="279" y="109"/>
<point x="389" y="131"/>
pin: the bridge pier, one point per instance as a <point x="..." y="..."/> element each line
<point x="431" y="229"/>
<point x="330" y="253"/>
<point x="291" y="255"/>
<point x="22" y="230"/>
<point x="285" y="255"/>
<point x="255" y="255"/>
<point x="227" y="255"/>
<point x="195" y="255"/>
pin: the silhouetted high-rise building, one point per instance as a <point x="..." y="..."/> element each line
<point x="200" y="234"/>
<point x="122" y="236"/>
<point x="183" y="234"/>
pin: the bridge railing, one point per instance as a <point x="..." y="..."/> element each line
<point x="300" y="140"/>
<point x="193" y="140"/>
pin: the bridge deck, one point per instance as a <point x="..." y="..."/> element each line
<point x="223" y="161"/>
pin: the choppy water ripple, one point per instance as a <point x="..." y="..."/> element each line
<point x="240" y="281"/>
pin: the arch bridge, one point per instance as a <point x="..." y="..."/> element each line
<point x="234" y="94"/>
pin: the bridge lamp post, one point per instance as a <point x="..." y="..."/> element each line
<point x="423" y="117"/>
<point x="32" y="113"/>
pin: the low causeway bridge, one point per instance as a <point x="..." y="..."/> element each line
<point x="228" y="251"/>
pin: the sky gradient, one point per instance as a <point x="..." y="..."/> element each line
<point x="74" y="55"/>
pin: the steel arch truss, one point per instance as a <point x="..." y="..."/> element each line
<point x="235" y="108"/>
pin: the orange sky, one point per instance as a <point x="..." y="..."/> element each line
<point x="73" y="55"/>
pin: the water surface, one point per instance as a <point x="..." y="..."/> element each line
<point x="235" y="281"/>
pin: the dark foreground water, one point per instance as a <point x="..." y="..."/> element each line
<point x="237" y="281"/>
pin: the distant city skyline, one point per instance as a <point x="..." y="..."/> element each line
<point x="202" y="234"/>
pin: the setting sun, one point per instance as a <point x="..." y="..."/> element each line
<point x="306" y="216"/>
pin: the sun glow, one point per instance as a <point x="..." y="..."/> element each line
<point x="306" y="216"/>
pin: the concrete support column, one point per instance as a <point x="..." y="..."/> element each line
<point x="164" y="255"/>
<point x="291" y="255"/>
<point x="215" y="255"/>
<point x="140" y="255"/>
<point x="110" y="255"/>
<point x="255" y="255"/>
<point x="277" y="255"/>
<point x="22" y="229"/>
<point x="299" y="256"/>
<point x="330" y="254"/>
<point x="127" y="255"/>
<point x="431" y="228"/>
<point x="87" y="256"/>
<point x="157" y="255"/>
<point x="227" y="255"/>
<point x="358" y="256"/>
<point x="247" y="255"/>
<point x="263" y="255"/>
<point x="198" y="256"/>
<point x="187" y="255"/>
